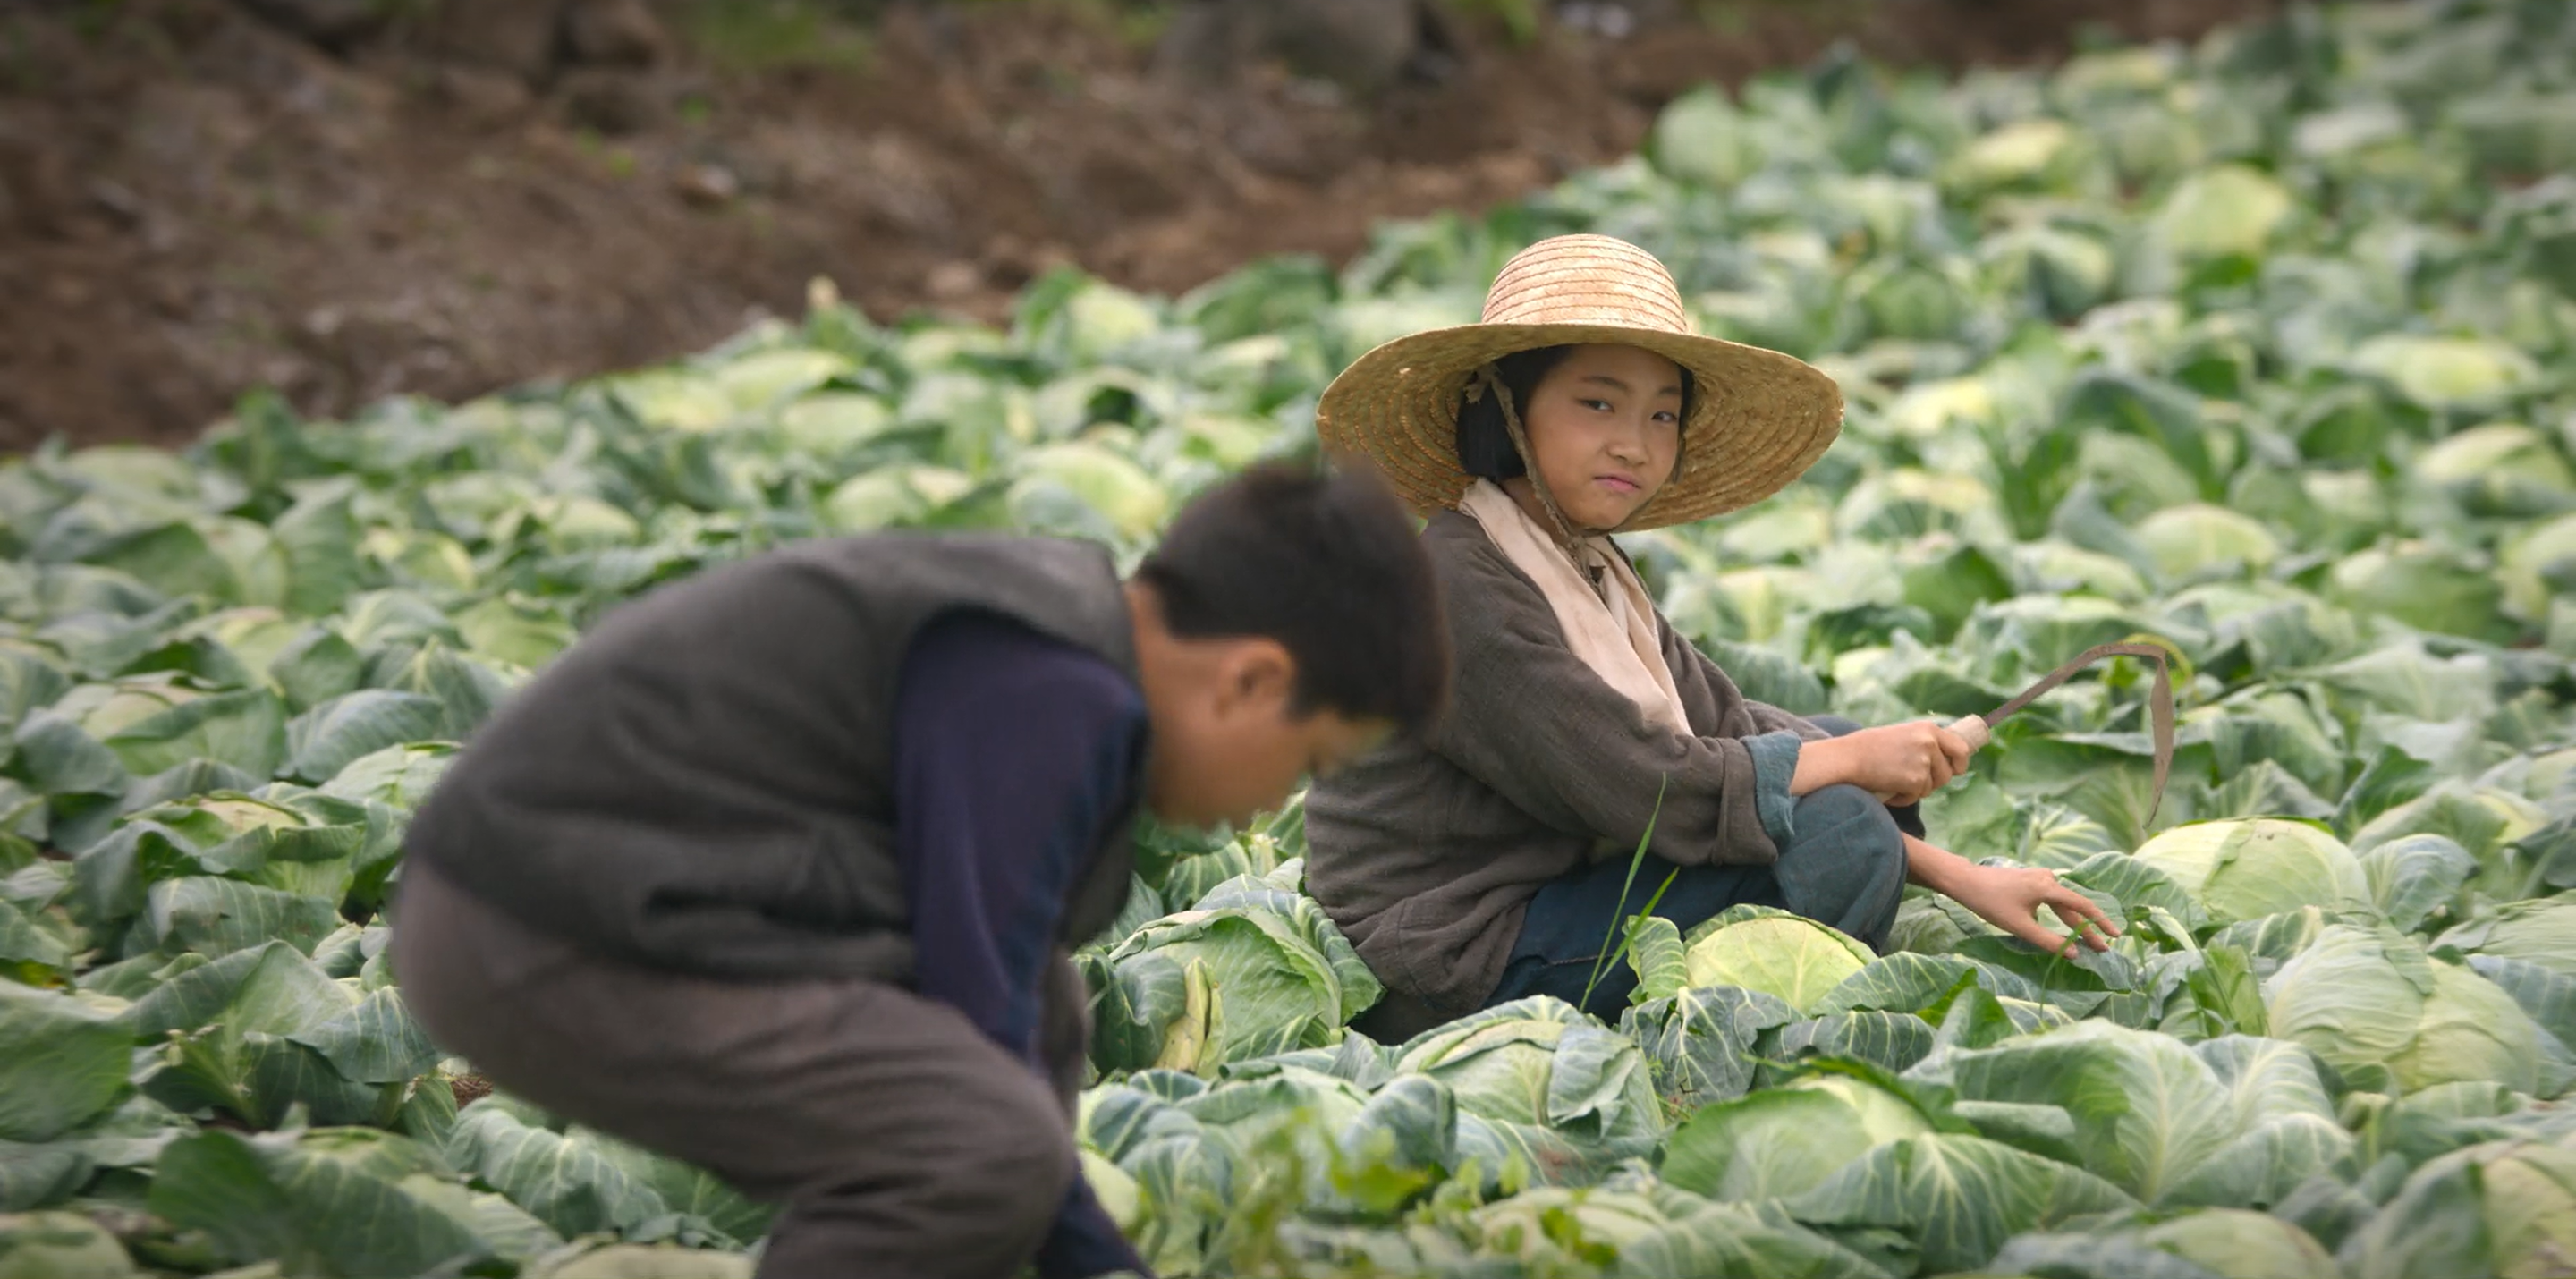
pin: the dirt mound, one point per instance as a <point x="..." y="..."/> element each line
<point x="198" y="197"/>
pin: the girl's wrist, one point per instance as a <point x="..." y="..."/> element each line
<point x="1820" y="764"/>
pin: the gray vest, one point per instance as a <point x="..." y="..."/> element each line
<point x="704" y="781"/>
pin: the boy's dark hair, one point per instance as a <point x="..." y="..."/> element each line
<point x="1485" y="444"/>
<point x="1327" y="563"/>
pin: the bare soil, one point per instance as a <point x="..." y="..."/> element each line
<point x="197" y="200"/>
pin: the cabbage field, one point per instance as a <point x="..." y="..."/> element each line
<point x="2266" y="347"/>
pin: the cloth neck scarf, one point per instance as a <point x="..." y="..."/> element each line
<point x="1597" y="599"/>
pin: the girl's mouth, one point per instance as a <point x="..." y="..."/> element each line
<point x="1619" y="484"/>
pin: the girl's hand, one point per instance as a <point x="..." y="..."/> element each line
<point x="1899" y="763"/>
<point x="2009" y="897"/>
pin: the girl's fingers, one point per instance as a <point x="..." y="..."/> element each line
<point x="2084" y="906"/>
<point x="2042" y="936"/>
<point x="2086" y="930"/>
<point x="2084" y="917"/>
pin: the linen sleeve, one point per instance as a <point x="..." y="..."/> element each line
<point x="1530" y="720"/>
<point x="1775" y="741"/>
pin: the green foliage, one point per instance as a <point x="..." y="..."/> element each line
<point x="2260" y="345"/>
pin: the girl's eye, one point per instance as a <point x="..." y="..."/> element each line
<point x="1668" y="415"/>
<point x="1597" y="406"/>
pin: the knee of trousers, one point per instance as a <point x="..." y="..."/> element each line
<point x="1835" y="724"/>
<point x="1021" y="1158"/>
<point x="1855" y="851"/>
<point x="994" y="1181"/>
<point x="1846" y="814"/>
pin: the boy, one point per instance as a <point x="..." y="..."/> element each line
<point x="777" y="870"/>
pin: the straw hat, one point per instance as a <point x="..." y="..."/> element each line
<point x="1759" y="418"/>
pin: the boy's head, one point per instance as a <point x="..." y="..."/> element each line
<point x="1287" y="623"/>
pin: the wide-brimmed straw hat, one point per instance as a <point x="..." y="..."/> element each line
<point x="1758" y="420"/>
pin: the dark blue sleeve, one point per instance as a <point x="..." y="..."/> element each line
<point x="1013" y="755"/>
<point x="1085" y="1242"/>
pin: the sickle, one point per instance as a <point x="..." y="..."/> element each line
<point x="1978" y="729"/>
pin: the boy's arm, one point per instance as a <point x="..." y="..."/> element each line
<point x="1013" y="754"/>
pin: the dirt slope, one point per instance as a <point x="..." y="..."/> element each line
<point x="197" y="197"/>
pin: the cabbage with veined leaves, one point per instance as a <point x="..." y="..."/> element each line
<point x="1541" y="1085"/>
<point x="2247" y="869"/>
<point x="1788" y="957"/>
<point x="1195" y="990"/>
<point x="1785" y="1141"/>
<point x="2372" y="1003"/>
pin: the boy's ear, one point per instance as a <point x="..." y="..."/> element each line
<point x="1259" y="673"/>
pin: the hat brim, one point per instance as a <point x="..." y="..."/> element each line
<point x="1759" y="418"/>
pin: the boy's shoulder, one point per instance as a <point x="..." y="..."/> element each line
<point x="928" y="563"/>
<point x="916" y="545"/>
<point x="997" y="661"/>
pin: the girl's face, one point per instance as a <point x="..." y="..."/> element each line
<point x="1605" y="431"/>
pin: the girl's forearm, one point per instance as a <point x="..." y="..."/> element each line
<point x="1938" y="869"/>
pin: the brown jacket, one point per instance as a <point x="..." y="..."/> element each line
<point x="1427" y="853"/>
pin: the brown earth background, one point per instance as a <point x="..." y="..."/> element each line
<point x="347" y="199"/>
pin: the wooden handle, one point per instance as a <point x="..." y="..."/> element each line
<point x="1974" y="729"/>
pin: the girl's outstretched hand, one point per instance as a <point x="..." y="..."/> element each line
<point x="2010" y="898"/>
<point x="1899" y="763"/>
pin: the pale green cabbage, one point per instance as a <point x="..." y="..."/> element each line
<point x="2369" y="1001"/>
<point x="2251" y="868"/>
<point x="1786" y="1140"/>
<point x="1794" y="959"/>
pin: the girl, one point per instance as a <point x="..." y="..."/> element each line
<point x="1486" y="861"/>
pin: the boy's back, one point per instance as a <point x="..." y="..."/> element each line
<point x="777" y="869"/>
<point x="704" y="782"/>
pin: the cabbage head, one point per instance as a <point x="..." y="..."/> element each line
<point x="2063" y="272"/>
<point x="2541" y="931"/>
<point x="2538" y="565"/>
<point x="2223" y="211"/>
<point x="1533" y="1226"/>
<point x="1357" y="1151"/>
<point x="2232" y="1121"/>
<point x="2254" y="867"/>
<point x="2486" y="821"/>
<point x="2186" y="541"/>
<point x="1198" y="989"/>
<point x="2502" y="469"/>
<point x="2449" y="374"/>
<point x="2220" y="1241"/>
<point x="2426" y="587"/>
<point x="1787" y="956"/>
<point x="59" y="1243"/>
<point x="2504" y="1208"/>
<point x="1702" y="139"/>
<point x="1539" y="1082"/>
<point x="2371" y="1002"/>
<point x="1785" y="1141"/>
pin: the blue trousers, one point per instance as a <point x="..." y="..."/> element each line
<point x="1844" y="865"/>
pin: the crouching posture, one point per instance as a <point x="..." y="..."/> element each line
<point x="1487" y="861"/>
<point x="777" y="870"/>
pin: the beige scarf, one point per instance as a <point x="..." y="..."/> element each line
<point x="1600" y="604"/>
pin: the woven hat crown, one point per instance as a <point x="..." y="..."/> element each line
<point x="1587" y="279"/>
<point x="1760" y="418"/>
